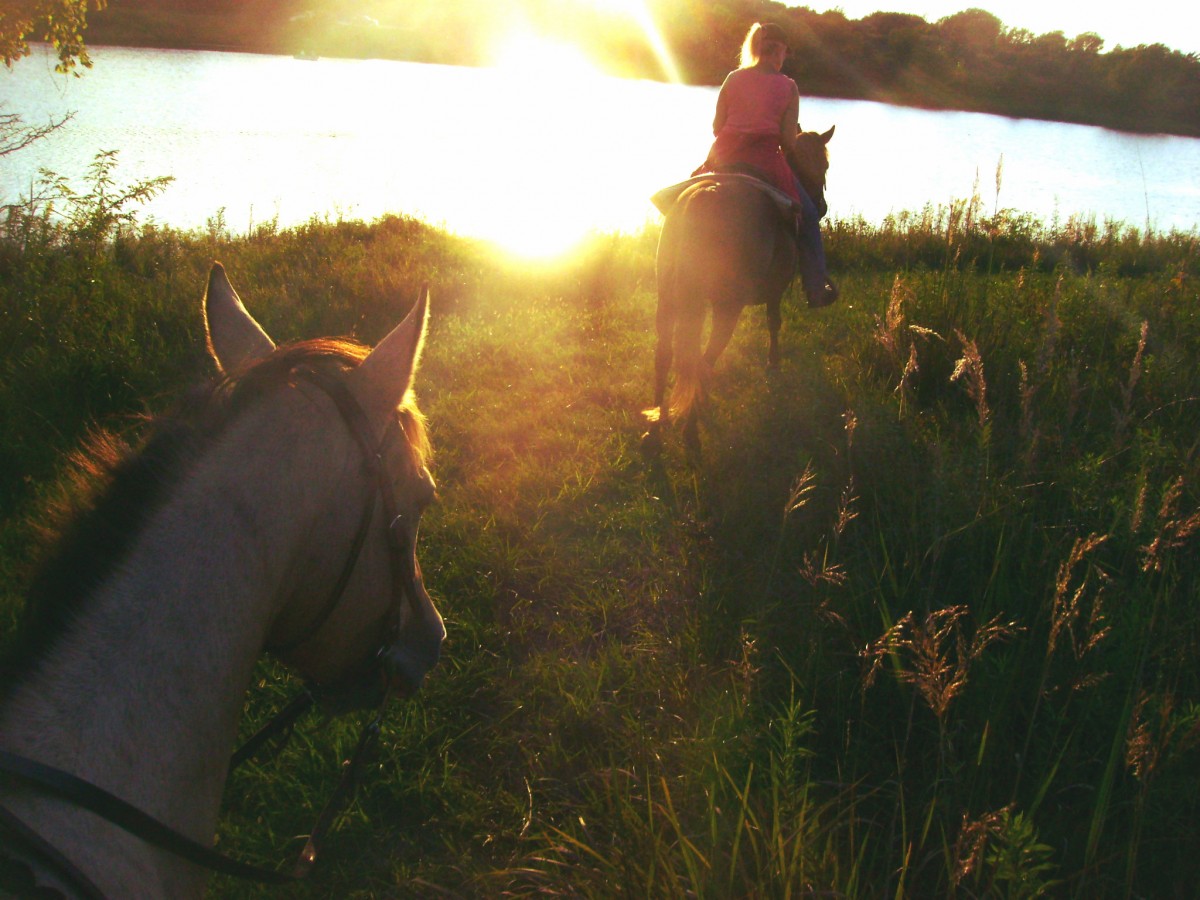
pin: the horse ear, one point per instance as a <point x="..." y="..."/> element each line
<point x="825" y="136"/>
<point x="234" y="338"/>
<point x="386" y="375"/>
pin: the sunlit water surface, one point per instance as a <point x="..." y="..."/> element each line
<point x="531" y="157"/>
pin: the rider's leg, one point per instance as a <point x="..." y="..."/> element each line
<point x="813" y="273"/>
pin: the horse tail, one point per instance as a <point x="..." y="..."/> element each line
<point x="691" y="371"/>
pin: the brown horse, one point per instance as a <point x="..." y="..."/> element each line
<point x="724" y="244"/>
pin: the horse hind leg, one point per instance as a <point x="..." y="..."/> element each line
<point x="774" y="323"/>
<point x="659" y="414"/>
<point x="691" y="434"/>
<point x="725" y="319"/>
<point x="663" y="356"/>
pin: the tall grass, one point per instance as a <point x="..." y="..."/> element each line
<point x="921" y="621"/>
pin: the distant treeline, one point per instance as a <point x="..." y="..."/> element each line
<point x="967" y="61"/>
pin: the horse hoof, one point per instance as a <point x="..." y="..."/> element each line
<point x="652" y="443"/>
<point x="824" y="297"/>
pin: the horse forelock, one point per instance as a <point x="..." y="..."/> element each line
<point x="112" y="490"/>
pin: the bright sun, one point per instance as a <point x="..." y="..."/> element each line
<point x="542" y="125"/>
<point x="528" y="53"/>
<point x="632" y="8"/>
<point x="542" y="91"/>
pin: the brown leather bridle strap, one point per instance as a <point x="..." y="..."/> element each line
<point x="360" y="429"/>
<point x="278" y="729"/>
<point x="346" y="786"/>
<point x="339" y="588"/>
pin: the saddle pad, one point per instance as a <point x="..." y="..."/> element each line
<point x="666" y="198"/>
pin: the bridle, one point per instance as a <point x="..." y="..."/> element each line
<point x="384" y="667"/>
<point x="399" y="540"/>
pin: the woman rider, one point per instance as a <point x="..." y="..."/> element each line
<point x="757" y="111"/>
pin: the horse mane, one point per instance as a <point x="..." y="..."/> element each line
<point x="113" y="490"/>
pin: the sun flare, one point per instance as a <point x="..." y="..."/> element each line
<point x="627" y="7"/>
<point x="555" y="147"/>
<point x="543" y="88"/>
<point x="524" y="52"/>
<point x="639" y="12"/>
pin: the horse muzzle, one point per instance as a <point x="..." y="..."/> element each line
<point x="405" y="662"/>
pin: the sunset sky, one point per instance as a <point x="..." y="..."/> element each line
<point x="1169" y="22"/>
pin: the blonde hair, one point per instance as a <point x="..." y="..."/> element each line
<point x="758" y="39"/>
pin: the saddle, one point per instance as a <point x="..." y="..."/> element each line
<point x="788" y="208"/>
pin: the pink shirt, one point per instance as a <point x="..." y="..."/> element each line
<point x="755" y="101"/>
<point x="752" y="103"/>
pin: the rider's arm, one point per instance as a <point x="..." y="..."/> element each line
<point x="788" y="122"/>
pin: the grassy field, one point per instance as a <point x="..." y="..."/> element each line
<point x="921" y="621"/>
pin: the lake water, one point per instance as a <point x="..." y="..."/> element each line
<point x="531" y="157"/>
